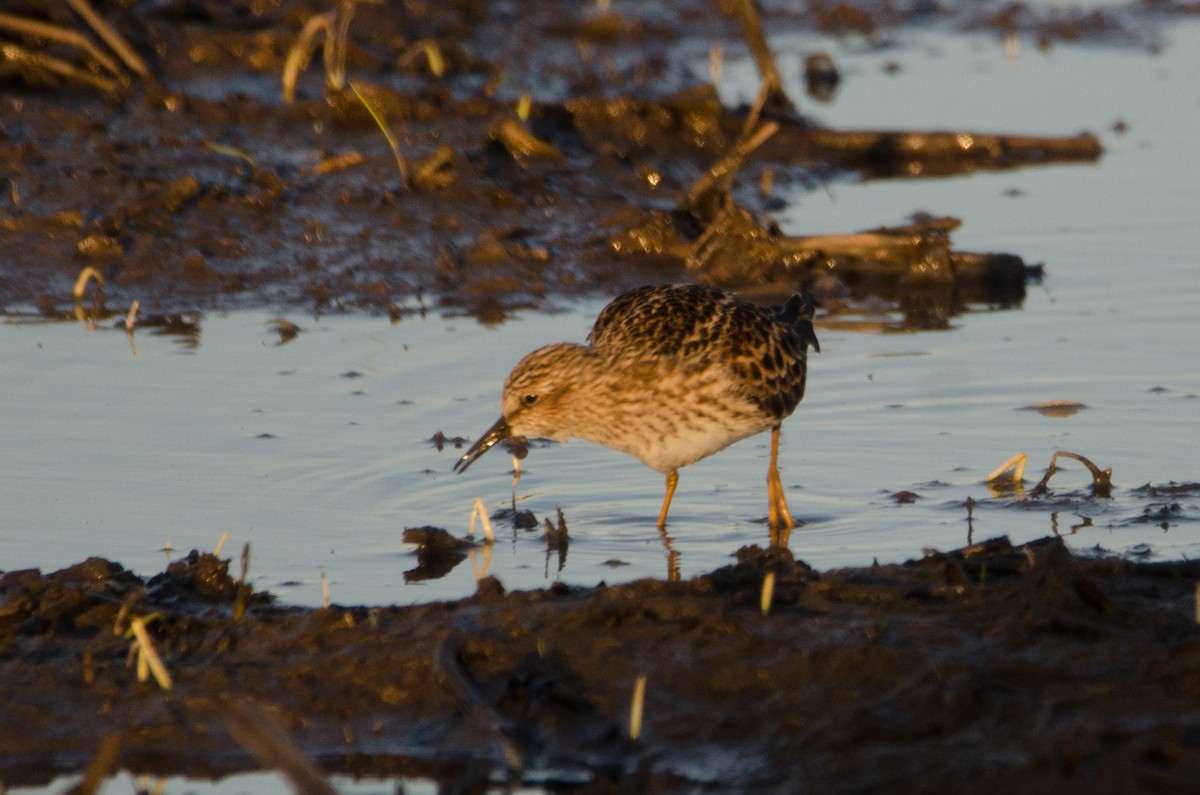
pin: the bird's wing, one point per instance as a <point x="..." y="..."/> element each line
<point x="656" y="321"/>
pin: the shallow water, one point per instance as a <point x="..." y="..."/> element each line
<point x="317" y="452"/>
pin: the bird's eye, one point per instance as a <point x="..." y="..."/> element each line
<point x="529" y="400"/>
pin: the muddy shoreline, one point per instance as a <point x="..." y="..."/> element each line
<point x="565" y="160"/>
<point x="988" y="668"/>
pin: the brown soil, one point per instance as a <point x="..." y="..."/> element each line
<point x="991" y="669"/>
<point x="196" y="187"/>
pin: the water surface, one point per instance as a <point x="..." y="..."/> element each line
<point x="317" y="452"/>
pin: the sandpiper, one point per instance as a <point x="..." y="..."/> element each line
<point x="671" y="374"/>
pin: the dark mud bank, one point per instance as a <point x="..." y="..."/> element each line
<point x="985" y="669"/>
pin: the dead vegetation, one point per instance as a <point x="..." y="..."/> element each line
<point x="501" y="198"/>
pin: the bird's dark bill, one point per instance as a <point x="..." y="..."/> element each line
<point x="497" y="433"/>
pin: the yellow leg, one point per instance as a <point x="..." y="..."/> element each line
<point x="780" y="519"/>
<point x="672" y="482"/>
<point x="672" y="555"/>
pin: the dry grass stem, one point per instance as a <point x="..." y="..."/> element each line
<point x="38" y="62"/>
<point x="301" y="52"/>
<point x="337" y="163"/>
<point x="85" y="276"/>
<point x="716" y="63"/>
<point x="71" y="38"/>
<point x="768" y="593"/>
<point x="230" y="151"/>
<point x="331" y="30"/>
<point x="115" y="41"/>
<point x="637" y="707"/>
<point x="478" y="510"/>
<point x="520" y="142"/>
<point x="377" y="115"/>
<point x="148" y="657"/>
<point x="221" y="544"/>
<point x="433" y="56"/>
<point x="102" y="765"/>
<point x="1011" y="471"/>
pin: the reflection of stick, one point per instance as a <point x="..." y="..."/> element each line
<point x="262" y="734"/>
<point x="481" y="568"/>
<point x="470" y="695"/>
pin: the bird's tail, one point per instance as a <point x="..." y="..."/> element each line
<point x="798" y="313"/>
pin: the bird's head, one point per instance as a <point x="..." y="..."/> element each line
<point x="536" y="400"/>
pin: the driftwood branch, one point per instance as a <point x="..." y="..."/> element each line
<point x="776" y="100"/>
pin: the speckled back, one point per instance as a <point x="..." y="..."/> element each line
<point x="766" y="350"/>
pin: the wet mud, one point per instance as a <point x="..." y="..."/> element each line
<point x="556" y="150"/>
<point x="989" y="669"/>
<point x="184" y="182"/>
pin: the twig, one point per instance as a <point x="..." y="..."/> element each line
<point x="111" y="37"/>
<point x="764" y="59"/>
<point x="1101" y="478"/>
<point x="719" y="177"/>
